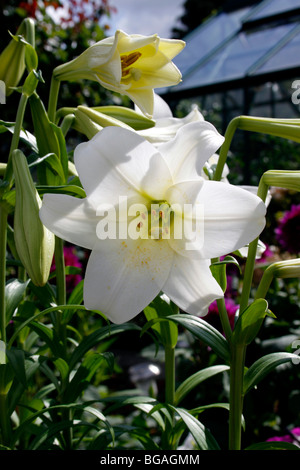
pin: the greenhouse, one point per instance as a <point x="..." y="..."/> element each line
<point x="244" y="60"/>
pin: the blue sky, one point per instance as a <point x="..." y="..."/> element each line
<point x="146" y="16"/>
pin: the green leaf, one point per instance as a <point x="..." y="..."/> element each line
<point x="63" y="368"/>
<point x="25" y="136"/>
<point x="2" y="352"/>
<point x="219" y="273"/>
<point x="264" y="366"/>
<point x="194" y="380"/>
<point x="84" y="374"/>
<point x="72" y="190"/>
<point x="273" y="445"/>
<point x="48" y="336"/>
<point x="16" y="358"/>
<point x="76" y="297"/>
<point x="96" y="337"/>
<point x="218" y="270"/>
<point x="46" y="138"/>
<point x="53" y="163"/>
<point x="63" y="150"/>
<point x="249" y="322"/>
<point x="203" y="438"/>
<point x="17" y="389"/>
<point x="167" y="330"/>
<point x="205" y="332"/>
<point x="14" y="291"/>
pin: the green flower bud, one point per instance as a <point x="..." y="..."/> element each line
<point x="34" y="242"/>
<point x="102" y="119"/>
<point x="130" y="117"/>
<point x="282" y="269"/>
<point x="85" y="125"/>
<point x="13" y="58"/>
<point x="12" y="64"/>
<point x="289" y="179"/>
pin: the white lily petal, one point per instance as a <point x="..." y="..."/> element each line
<point x="233" y="218"/>
<point x="123" y="280"/>
<point x="70" y="218"/>
<point x="161" y="108"/>
<point x="191" y="285"/>
<point x="123" y="160"/>
<point x="192" y="146"/>
<point x="227" y="219"/>
<point x="253" y="190"/>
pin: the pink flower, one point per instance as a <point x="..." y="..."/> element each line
<point x="292" y="437"/>
<point x="213" y="311"/>
<point x="71" y="259"/>
<point x="288" y="230"/>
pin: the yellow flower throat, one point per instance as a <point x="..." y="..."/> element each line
<point x="127" y="61"/>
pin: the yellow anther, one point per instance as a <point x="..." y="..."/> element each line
<point x="127" y="61"/>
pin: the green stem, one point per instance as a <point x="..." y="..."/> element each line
<point x="170" y="374"/>
<point x="232" y="127"/>
<point x="236" y="396"/>
<point x="53" y="96"/>
<point x="15" y="139"/>
<point x="250" y="263"/>
<point x="60" y="283"/>
<point x="3" y="240"/>
<point x="4" y="420"/>
<point x="224" y="318"/>
<point x="169" y="391"/>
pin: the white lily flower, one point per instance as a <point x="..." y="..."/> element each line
<point x="126" y="272"/>
<point x="132" y="65"/>
<point x="166" y="125"/>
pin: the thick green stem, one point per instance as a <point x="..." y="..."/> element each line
<point x="53" y="96"/>
<point x="224" y="318"/>
<point x="4" y="420"/>
<point x="236" y="396"/>
<point x="3" y="238"/>
<point x="15" y="139"/>
<point x="232" y="127"/>
<point x="170" y="374"/>
<point x="169" y="390"/>
<point x="60" y="285"/>
<point x="250" y="263"/>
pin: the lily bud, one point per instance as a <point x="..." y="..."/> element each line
<point x="85" y="124"/>
<point x="34" y="242"/>
<point x="289" y="179"/>
<point x="101" y="119"/>
<point x="282" y="269"/>
<point x="13" y="58"/>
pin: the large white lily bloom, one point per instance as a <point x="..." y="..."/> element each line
<point x="125" y="274"/>
<point x="132" y="65"/>
<point x="166" y="127"/>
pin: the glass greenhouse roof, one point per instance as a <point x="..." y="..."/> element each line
<point x="274" y="7"/>
<point x="226" y="48"/>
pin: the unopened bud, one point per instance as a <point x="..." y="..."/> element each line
<point x="34" y="242"/>
<point x="14" y="57"/>
<point x="282" y="269"/>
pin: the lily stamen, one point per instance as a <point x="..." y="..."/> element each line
<point x="127" y="61"/>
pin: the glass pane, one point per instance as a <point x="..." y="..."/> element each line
<point x="286" y="57"/>
<point x="204" y="39"/>
<point x="234" y="60"/>
<point x="275" y="7"/>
